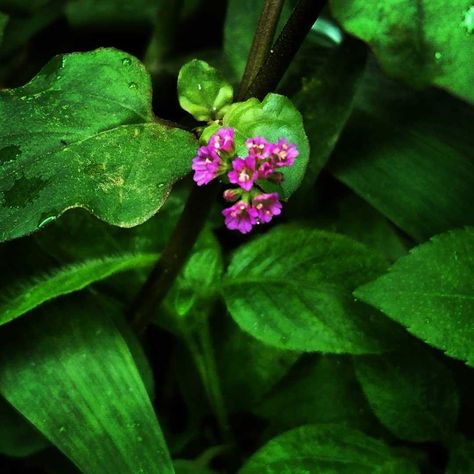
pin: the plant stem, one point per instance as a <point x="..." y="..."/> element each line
<point x="286" y="46"/>
<point x="200" y="200"/>
<point x="174" y="255"/>
<point x="262" y="42"/>
<point x="202" y="352"/>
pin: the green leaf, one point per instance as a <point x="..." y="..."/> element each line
<point x="318" y="390"/>
<point x="461" y="457"/>
<point x="183" y="466"/>
<point x="203" y="91"/>
<point x="273" y="118"/>
<point x="248" y="369"/>
<point x="360" y="221"/>
<point x="111" y="14"/>
<point x="70" y="373"/>
<point x="26" y="296"/>
<point x="325" y="449"/>
<point x="431" y="292"/>
<point x="325" y="100"/>
<point x="412" y="394"/>
<point x="424" y="42"/>
<point x="85" y="136"/>
<point x="291" y="288"/>
<point x="409" y="155"/>
<point x="17" y="437"/>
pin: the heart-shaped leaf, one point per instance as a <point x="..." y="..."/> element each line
<point x="431" y="292"/>
<point x="85" y="136"/>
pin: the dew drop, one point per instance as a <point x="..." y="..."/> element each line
<point x="438" y="56"/>
<point x="126" y="61"/>
<point x="132" y="85"/>
<point x="468" y="20"/>
<point x="199" y="87"/>
<point x="62" y="429"/>
<point x="46" y="221"/>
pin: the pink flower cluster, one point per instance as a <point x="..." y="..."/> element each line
<point x="252" y="206"/>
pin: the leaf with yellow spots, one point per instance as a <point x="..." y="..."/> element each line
<point x="82" y="134"/>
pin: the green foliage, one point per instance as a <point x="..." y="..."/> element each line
<point x="431" y="292"/>
<point x="273" y="118"/>
<point x="325" y="99"/>
<point x="111" y="13"/>
<point x="322" y="389"/>
<point x="17" y="437"/>
<point x="80" y="387"/>
<point x="295" y="350"/>
<point x="325" y="449"/>
<point x="202" y="91"/>
<point x="26" y="296"/>
<point x="424" y="42"/>
<point x="292" y="289"/>
<point x="89" y="127"/>
<point x="409" y="155"/>
<point x="412" y="394"/>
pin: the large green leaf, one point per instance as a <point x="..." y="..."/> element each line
<point x="85" y="136"/>
<point x="291" y="289"/>
<point x="431" y="292"/>
<point x="409" y="155"/>
<point x="27" y="295"/>
<point x="423" y="42"/>
<point x="326" y="449"/>
<point x="273" y="118"/>
<point x="325" y="98"/>
<point x="411" y="392"/>
<point x="321" y="389"/>
<point x="70" y="373"/>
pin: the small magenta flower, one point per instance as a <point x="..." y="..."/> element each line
<point x="266" y="206"/>
<point x="259" y="147"/>
<point x="241" y="216"/>
<point x="244" y="173"/>
<point x="265" y="170"/>
<point x="223" y="141"/>
<point x="284" y="153"/>
<point x="205" y="165"/>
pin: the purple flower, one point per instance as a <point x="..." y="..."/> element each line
<point x="244" y="173"/>
<point x="205" y="165"/>
<point x="266" y="206"/>
<point x="259" y="147"/>
<point x="240" y="217"/>
<point x="223" y="141"/>
<point x="265" y="170"/>
<point x="284" y="153"/>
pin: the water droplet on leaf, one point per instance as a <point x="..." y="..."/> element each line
<point x="132" y="85"/>
<point x="438" y="56"/>
<point x="46" y="221"/>
<point x="126" y="61"/>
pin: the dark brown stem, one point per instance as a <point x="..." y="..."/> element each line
<point x="200" y="200"/>
<point x="174" y="255"/>
<point x="286" y="46"/>
<point x="262" y="42"/>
